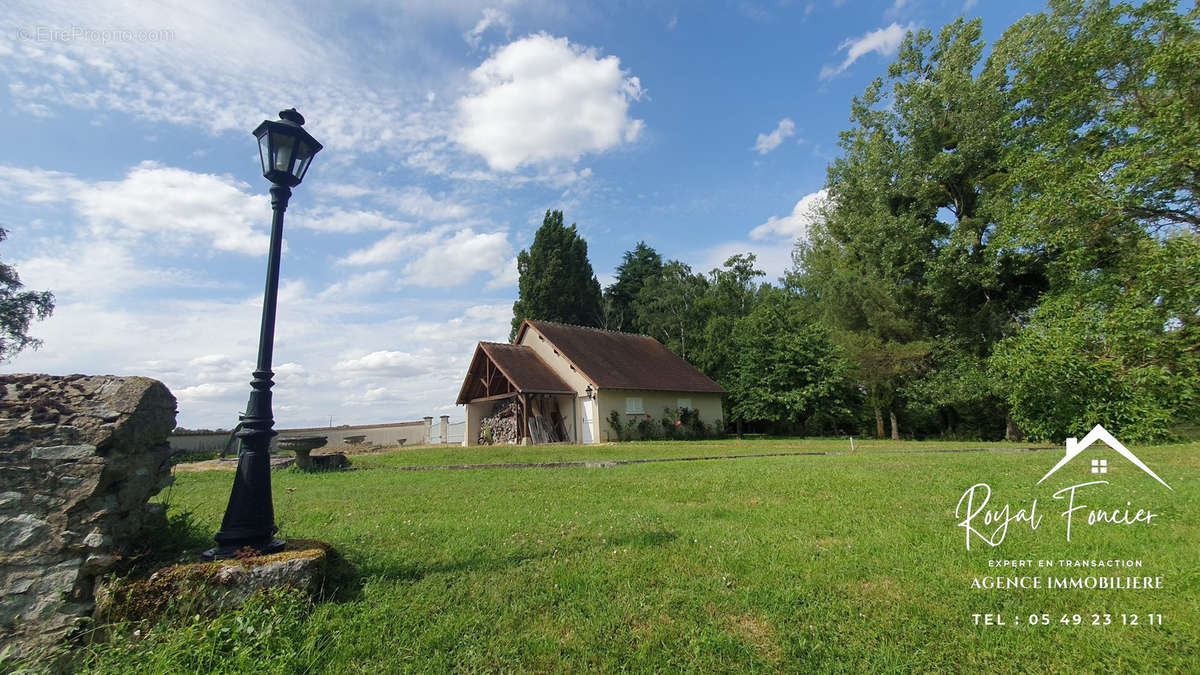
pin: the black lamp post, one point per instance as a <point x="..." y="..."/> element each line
<point x="286" y="150"/>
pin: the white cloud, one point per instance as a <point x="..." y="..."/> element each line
<point x="204" y="392"/>
<point x="896" y="8"/>
<point x="507" y="277"/>
<point x="388" y="363"/>
<point x="541" y="99"/>
<point x="771" y="243"/>
<point x="179" y="207"/>
<point x="175" y="207"/>
<point x="386" y="251"/>
<point x="255" y="62"/>
<point x="453" y="261"/>
<point x="417" y="203"/>
<point x="883" y="41"/>
<point x="356" y="285"/>
<point x="492" y="18"/>
<point x="768" y="142"/>
<point x="346" y="221"/>
<point x="771" y="258"/>
<point x="409" y="201"/>
<point x="342" y="190"/>
<point x="796" y="224"/>
<point x="71" y="269"/>
<point x="441" y="257"/>
<point x="36" y="185"/>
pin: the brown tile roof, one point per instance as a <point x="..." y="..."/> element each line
<point x="520" y="365"/>
<point x="615" y="360"/>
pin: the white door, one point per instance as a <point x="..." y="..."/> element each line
<point x="589" y="413"/>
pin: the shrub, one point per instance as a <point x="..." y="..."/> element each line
<point x="676" y="424"/>
<point x="648" y="430"/>
<point x="614" y="421"/>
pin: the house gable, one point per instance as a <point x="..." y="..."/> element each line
<point x="500" y="370"/>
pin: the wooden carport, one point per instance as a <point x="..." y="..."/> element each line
<point x="500" y="371"/>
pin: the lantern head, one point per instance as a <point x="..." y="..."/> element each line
<point x="285" y="148"/>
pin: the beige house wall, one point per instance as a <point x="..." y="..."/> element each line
<point x="653" y="402"/>
<point x="475" y="412"/>
<point x="557" y="362"/>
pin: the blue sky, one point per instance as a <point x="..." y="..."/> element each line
<point x="133" y="189"/>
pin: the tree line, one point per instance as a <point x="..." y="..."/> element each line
<point x="1010" y="247"/>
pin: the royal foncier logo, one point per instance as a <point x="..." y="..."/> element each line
<point x="990" y="525"/>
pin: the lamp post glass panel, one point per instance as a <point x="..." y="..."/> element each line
<point x="286" y="150"/>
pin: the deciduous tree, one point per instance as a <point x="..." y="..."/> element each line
<point x="1104" y="170"/>
<point x="18" y="308"/>
<point x="786" y="369"/>
<point x="636" y="267"/>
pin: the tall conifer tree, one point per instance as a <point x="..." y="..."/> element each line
<point x="557" y="282"/>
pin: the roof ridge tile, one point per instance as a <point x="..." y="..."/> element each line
<point x="592" y="328"/>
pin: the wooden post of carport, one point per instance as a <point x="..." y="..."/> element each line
<point x="523" y="422"/>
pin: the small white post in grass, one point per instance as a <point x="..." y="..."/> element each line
<point x="851" y="444"/>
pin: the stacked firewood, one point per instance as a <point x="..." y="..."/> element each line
<point x="501" y="426"/>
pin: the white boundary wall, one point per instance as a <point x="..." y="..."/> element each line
<point x="420" y="432"/>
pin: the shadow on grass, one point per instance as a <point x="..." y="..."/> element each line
<point x="343" y="582"/>
<point x="481" y="561"/>
<point x="181" y="540"/>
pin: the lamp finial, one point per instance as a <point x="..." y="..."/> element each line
<point x="291" y="115"/>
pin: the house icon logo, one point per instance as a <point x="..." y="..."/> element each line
<point x="1099" y="433"/>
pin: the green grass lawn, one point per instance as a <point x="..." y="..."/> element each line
<point x="833" y="563"/>
<point x="434" y="455"/>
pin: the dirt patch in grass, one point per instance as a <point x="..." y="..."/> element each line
<point x="756" y="632"/>
<point x="206" y="465"/>
<point x="880" y="590"/>
<point x="830" y="543"/>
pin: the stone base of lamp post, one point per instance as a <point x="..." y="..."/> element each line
<point x="244" y="549"/>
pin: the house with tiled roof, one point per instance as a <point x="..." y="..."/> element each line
<point x="561" y="383"/>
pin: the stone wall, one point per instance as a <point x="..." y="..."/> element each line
<point x="79" y="459"/>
